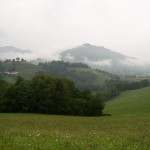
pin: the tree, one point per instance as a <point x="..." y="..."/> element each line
<point x="17" y="59"/>
<point x="3" y="86"/>
<point x="43" y="88"/>
<point x="18" y="96"/>
<point x="2" y="68"/>
<point x="23" y="60"/>
<point x="95" y="106"/>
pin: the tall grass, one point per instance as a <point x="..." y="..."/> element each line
<point x="49" y="132"/>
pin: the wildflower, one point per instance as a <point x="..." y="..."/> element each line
<point x="38" y="134"/>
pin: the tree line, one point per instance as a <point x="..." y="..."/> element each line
<point x="45" y="94"/>
<point x="9" y="64"/>
<point x="113" y="88"/>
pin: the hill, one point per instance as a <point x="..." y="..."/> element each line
<point x="105" y="59"/>
<point x="81" y="74"/>
<point x="24" y="69"/>
<point x="134" y="102"/>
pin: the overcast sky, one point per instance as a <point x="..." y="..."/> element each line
<point x="53" y="25"/>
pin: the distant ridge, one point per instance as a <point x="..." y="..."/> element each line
<point x="11" y="49"/>
<point x="101" y="58"/>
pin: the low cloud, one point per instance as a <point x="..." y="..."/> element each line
<point x="12" y="55"/>
<point x="102" y="62"/>
<point x="44" y="55"/>
<point x="138" y="62"/>
<point x="69" y="57"/>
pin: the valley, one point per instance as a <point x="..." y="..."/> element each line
<point x="123" y="125"/>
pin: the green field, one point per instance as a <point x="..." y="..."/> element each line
<point x="48" y="132"/>
<point x="127" y="129"/>
<point x="134" y="102"/>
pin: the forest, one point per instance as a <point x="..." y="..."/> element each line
<point x="44" y="94"/>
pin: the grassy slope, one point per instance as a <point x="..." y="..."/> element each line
<point x="135" y="102"/>
<point x="100" y="76"/>
<point x="28" y="70"/>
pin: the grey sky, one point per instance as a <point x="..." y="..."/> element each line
<point x="53" y="25"/>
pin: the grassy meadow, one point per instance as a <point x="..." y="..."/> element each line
<point x="127" y="129"/>
<point x="133" y="102"/>
<point x="48" y="132"/>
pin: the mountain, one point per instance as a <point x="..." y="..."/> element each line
<point x="10" y="52"/>
<point x="102" y="58"/>
<point x="91" y="52"/>
<point x="11" y="49"/>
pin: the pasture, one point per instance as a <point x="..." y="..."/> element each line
<point x="133" y="102"/>
<point x="51" y="132"/>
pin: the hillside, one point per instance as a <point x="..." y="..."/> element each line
<point x="25" y="69"/>
<point x="105" y="59"/>
<point x="134" y="102"/>
<point x="92" y="52"/>
<point x="81" y="74"/>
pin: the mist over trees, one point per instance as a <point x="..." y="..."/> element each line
<point x="111" y="87"/>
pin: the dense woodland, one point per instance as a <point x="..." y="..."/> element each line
<point x="45" y="94"/>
